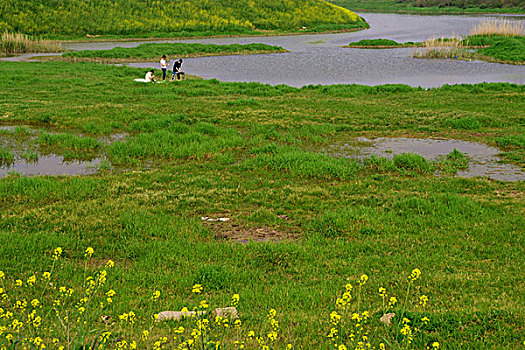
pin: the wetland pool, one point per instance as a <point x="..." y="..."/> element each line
<point x="483" y="159"/>
<point x="28" y="160"/>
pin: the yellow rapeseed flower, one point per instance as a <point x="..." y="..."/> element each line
<point x="333" y="333"/>
<point x="197" y="289"/>
<point x="425" y="320"/>
<point x="406" y="330"/>
<point x="185" y="312"/>
<point x="110" y="264"/>
<point x="335" y="317"/>
<point x="89" y="252"/>
<point x="340" y="303"/>
<point x="156" y="295"/>
<point x="57" y="253"/>
<point x="363" y="279"/>
<point x="2" y="275"/>
<point x="46" y="275"/>
<point x="272" y="336"/>
<point x="31" y="280"/>
<point x="392" y="301"/>
<point x="423" y="300"/>
<point x="235" y="300"/>
<point x="145" y="334"/>
<point x="435" y="345"/>
<point x="19" y="283"/>
<point x="416" y="273"/>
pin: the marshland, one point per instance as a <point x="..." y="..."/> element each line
<point x="386" y="216"/>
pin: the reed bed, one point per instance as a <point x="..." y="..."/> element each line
<point x="14" y="43"/>
<point x="441" y="48"/>
<point x="499" y="27"/>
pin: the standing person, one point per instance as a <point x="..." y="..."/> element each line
<point x="177" y="70"/>
<point x="163" y="66"/>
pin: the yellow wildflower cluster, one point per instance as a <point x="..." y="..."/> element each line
<point x="353" y="329"/>
<point x="416" y="273"/>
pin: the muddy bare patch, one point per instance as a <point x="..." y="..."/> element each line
<point x="242" y="234"/>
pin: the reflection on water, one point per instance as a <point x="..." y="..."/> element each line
<point x="21" y="140"/>
<point x="484" y="161"/>
<point x="50" y="165"/>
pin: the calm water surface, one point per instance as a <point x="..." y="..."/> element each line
<point x="320" y="59"/>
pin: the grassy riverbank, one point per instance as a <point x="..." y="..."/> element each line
<point x="253" y="153"/>
<point x="426" y="7"/>
<point x="132" y="18"/>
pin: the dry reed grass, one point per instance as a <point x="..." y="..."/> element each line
<point x="14" y="43"/>
<point x="441" y="48"/>
<point x="499" y="27"/>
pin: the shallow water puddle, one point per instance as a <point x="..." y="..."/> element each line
<point x="484" y="161"/>
<point x="50" y="165"/>
<point x="29" y="161"/>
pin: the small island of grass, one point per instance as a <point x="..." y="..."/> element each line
<point x="492" y="41"/>
<point x="151" y="52"/>
<point x="381" y="44"/>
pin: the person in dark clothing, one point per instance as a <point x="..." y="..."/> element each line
<point x="177" y="72"/>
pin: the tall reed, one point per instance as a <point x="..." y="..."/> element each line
<point x="13" y="43"/>
<point x="499" y="27"/>
<point x="441" y="48"/>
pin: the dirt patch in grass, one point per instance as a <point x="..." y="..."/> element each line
<point x="242" y="234"/>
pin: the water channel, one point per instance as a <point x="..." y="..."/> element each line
<point x="321" y="59"/>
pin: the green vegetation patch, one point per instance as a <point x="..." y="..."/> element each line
<point x="433" y="6"/>
<point x="506" y="49"/>
<point x="154" y="51"/>
<point x="382" y="43"/>
<point x="6" y="156"/>
<point x="146" y="18"/>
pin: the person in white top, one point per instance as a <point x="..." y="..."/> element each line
<point x="163" y="66"/>
<point x="150" y="77"/>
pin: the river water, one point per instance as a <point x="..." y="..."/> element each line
<point x="321" y="59"/>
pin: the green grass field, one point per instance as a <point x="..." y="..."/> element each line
<point x="427" y="7"/>
<point x="302" y="223"/>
